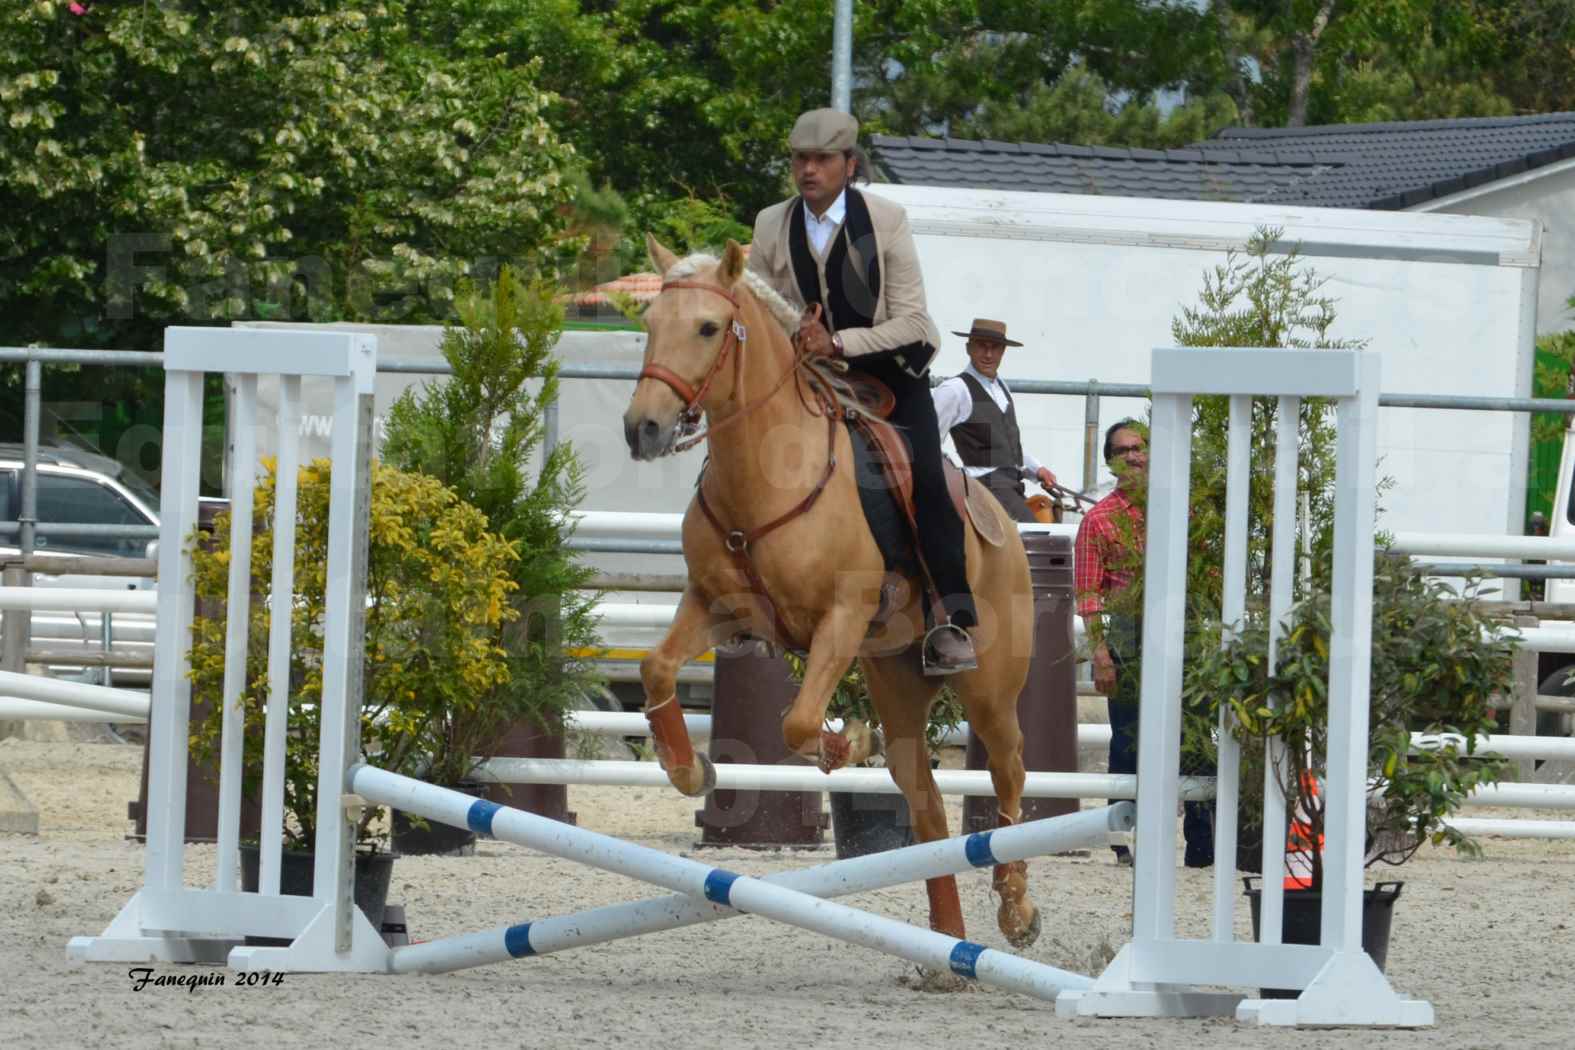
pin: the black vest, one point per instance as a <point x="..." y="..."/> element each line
<point x="847" y="283"/>
<point x="988" y="437"/>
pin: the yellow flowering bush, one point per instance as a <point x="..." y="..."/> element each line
<point x="438" y="587"/>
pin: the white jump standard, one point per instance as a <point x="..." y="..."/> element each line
<point x="1158" y="973"/>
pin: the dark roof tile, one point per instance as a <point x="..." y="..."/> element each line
<point x="1383" y="166"/>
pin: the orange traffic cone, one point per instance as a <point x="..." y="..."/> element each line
<point x="1300" y="842"/>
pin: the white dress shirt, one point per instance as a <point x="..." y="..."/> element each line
<point x="954" y="404"/>
<point x="820" y="229"/>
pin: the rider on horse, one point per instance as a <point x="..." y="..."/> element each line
<point x="848" y="261"/>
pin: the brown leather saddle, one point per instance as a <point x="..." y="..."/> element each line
<point x="891" y="452"/>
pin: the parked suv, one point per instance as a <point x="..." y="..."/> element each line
<point x="77" y="487"/>
<point x="81" y="488"/>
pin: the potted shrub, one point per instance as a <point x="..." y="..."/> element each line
<point x="1437" y="664"/>
<point x="871" y="822"/>
<point x="482" y="432"/>
<point x="437" y="593"/>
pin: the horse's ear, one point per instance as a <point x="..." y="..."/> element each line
<point x="732" y="267"/>
<point x="661" y="258"/>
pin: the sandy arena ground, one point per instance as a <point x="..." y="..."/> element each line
<point x="1487" y="941"/>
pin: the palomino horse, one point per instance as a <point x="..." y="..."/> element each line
<point x="777" y="514"/>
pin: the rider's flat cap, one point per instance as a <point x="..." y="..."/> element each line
<point x="824" y="131"/>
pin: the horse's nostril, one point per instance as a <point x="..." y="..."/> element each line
<point x="643" y="437"/>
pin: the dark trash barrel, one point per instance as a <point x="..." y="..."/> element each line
<point x="527" y="739"/>
<point x="752" y="689"/>
<point x="1047" y="706"/>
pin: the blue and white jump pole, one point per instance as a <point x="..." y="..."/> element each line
<point x="855" y="875"/>
<point x="700" y="883"/>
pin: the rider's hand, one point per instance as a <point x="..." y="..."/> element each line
<point x="1046" y="478"/>
<point x="812" y="335"/>
<point x="1104" y="671"/>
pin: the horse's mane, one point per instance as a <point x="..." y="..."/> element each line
<point x="783" y="312"/>
<point x="778" y="307"/>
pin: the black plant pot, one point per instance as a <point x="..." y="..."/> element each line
<point x="866" y="822"/>
<point x="409" y="839"/>
<point x="373" y="871"/>
<point x="1303" y="917"/>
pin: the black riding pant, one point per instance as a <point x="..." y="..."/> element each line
<point x="1197" y="820"/>
<point x="1008" y="490"/>
<point x="940" y="529"/>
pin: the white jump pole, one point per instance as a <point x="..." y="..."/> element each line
<point x="739" y="777"/>
<point x="121" y="702"/>
<point x="1090" y="735"/>
<point x="78" y="599"/>
<point x="928" y="860"/>
<point x="717" y="885"/>
<point x="16" y="709"/>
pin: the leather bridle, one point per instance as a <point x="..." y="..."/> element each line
<point x="738" y="541"/>
<point x="732" y="344"/>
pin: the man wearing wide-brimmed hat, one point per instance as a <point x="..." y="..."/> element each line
<point x="981" y="415"/>
<point x="847" y="260"/>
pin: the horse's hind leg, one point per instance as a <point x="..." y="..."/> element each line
<point x="902" y="698"/>
<point x="692" y="632"/>
<point x="998" y="730"/>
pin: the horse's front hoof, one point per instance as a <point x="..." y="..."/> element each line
<point x="864" y="742"/>
<point x="695" y="780"/>
<point x="1019" y="934"/>
<point x="834" y="751"/>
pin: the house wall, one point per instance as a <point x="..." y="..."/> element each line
<point x="1549" y="200"/>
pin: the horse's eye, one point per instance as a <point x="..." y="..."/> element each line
<point x="709" y="328"/>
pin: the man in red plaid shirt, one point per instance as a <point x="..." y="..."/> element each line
<point x="1109" y="554"/>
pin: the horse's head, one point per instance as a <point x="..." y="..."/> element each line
<point x="690" y="332"/>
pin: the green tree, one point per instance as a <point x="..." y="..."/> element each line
<point x="1435" y="664"/>
<point x="480" y="432"/>
<point x="1338" y="61"/>
<point x="1078" y="108"/>
<point x="1260" y="296"/>
<point x="1526" y="49"/>
<point x="1555" y="353"/>
<point x="935" y="66"/>
<point x="191" y="162"/>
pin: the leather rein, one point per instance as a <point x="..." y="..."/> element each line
<point x="739" y="541"/>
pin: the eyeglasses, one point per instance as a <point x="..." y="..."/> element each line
<point x="1127" y="450"/>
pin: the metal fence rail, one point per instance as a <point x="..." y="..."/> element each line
<point x="35" y="359"/>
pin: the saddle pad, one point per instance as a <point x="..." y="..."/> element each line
<point x="883" y="512"/>
<point x="890" y="459"/>
<point x="981" y="510"/>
